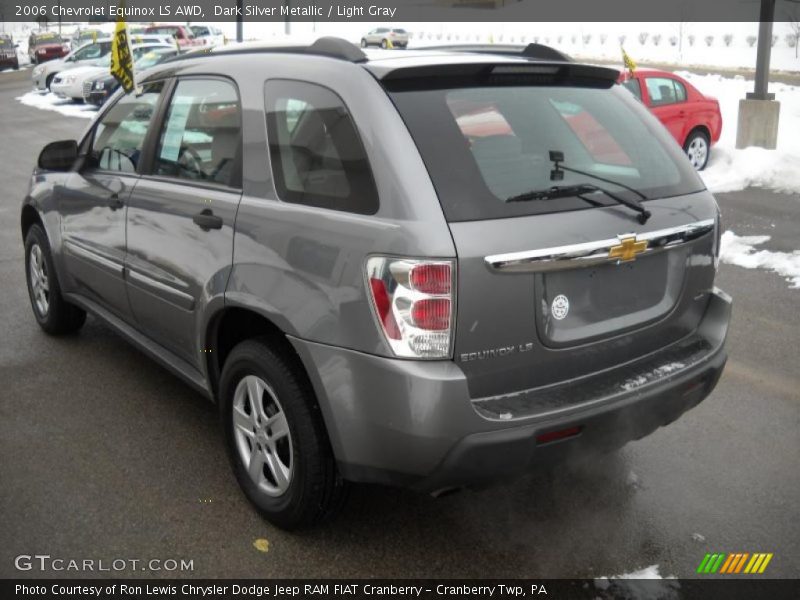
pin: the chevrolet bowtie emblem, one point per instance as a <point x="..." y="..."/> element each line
<point x="628" y="248"/>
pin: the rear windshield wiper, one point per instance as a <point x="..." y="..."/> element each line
<point x="561" y="191"/>
<point x="557" y="174"/>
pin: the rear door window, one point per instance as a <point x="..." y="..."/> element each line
<point x="316" y="153"/>
<point x="663" y="90"/>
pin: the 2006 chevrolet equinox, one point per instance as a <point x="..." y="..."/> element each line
<point x="427" y="269"/>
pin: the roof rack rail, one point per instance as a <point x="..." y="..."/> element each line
<point x="332" y="47"/>
<point x="535" y="51"/>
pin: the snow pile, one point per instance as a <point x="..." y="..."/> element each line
<point x="741" y="251"/>
<point x="730" y="169"/>
<point x="50" y="101"/>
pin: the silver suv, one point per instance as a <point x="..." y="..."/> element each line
<point x="386" y="37"/>
<point x="429" y="271"/>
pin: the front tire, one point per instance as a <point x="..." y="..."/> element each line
<point x="384" y="45"/>
<point x="698" y="149"/>
<point x="275" y="437"/>
<point x="48" y="81"/>
<point x="55" y="315"/>
<point x="363" y="42"/>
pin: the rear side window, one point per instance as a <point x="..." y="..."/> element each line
<point x="484" y="145"/>
<point x="316" y="153"/>
<point x="663" y="90"/>
<point x="201" y="136"/>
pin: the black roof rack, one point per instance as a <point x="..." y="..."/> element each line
<point x="332" y="47"/>
<point x="535" y="51"/>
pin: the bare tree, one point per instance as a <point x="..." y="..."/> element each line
<point x="603" y="38"/>
<point x="727" y="39"/>
<point x="673" y="40"/>
<point x="751" y="40"/>
<point x="656" y="39"/>
<point x="709" y="40"/>
<point x="774" y="40"/>
<point x="794" y="27"/>
<point x="691" y="39"/>
<point x="643" y="37"/>
<point x="587" y="37"/>
<point x="622" y="39"/>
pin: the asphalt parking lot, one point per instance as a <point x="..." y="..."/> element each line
<point x="104" y="454"/>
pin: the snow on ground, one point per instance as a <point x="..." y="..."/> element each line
<point x="741" y="251"/>
<point x="50" y="101"/>
<point x="730" y="169"/>
<point x="639" y="585"/>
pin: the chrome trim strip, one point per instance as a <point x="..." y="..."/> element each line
<point x="589" y="254"/>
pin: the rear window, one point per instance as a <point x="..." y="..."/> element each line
<point x="483" y="145"/>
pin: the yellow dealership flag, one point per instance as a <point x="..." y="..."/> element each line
<point x="629" y="64"/>
<point x="121" y="57"/>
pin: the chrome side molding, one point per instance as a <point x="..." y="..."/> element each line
<point x="589" y="254"/>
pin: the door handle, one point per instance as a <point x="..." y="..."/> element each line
<point x="207" y="220"/>
<point x="115" y="202"/>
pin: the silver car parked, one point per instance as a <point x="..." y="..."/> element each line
<point x="429" y="271"/>
<point x="386" y="37"/>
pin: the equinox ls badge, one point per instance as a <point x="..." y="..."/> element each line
<point x="628" y="248"/>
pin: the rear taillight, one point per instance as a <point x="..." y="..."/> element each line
<point x="414" y="304"/>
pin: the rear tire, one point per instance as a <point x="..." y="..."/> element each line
<point x="384" y="45"/>
<point x="48" y="81"/>
<point x="55" y="315"/>
<point x="269" y="415"/>
<point x="698" y="149"/>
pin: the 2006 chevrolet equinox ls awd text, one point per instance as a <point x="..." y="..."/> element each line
<point x="427" y="269"/>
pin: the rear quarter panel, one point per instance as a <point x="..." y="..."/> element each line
<point x="303" y="267"/>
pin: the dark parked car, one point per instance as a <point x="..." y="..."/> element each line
<point x="8" y="53"/>
<point x="98" y="89"/>
<point x="46" y="45"/>
<point x="373" y="286"/>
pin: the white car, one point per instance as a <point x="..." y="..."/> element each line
<point x="70" y="84"/>
<point x="212" y="36"/>
<point x="43" y="74"/>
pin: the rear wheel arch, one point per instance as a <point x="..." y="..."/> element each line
<point x="229" y="327"/>
<point x="698" y="128"/>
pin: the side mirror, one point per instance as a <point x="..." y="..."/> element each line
<point x="59" y="156"/>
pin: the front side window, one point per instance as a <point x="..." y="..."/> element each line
<point x="317" y="155"/>
<point x="119" y="136"/>
<point x="89" y="52"/>
<point x="634" y="87"/>
<point x="663" y="90"/>
<point x="201" y="136"/>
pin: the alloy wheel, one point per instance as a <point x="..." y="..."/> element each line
<point x="39" y="281"/>
<point x="262" y="435"/>
<point x="698" y="152"/>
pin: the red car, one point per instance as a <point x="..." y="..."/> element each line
<point x="693" y="119"/>
<point x="46" y="45"/>
<point x="183" y="35"/>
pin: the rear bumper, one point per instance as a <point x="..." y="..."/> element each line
<point x="413" y="424"/>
